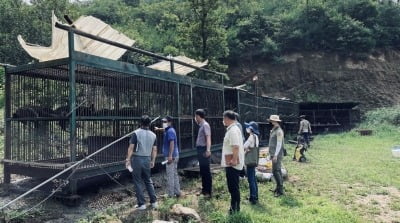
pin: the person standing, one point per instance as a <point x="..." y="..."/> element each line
<point x="276" y="140"/>
<point x="242" y="173"/>
<point x="305" y="129"/>
<point x="142" y="152"/>
<point x="251" y="148"/>
<point x="171" y="154"/>
<point x="232" y="158"/>
<point x="203" y="145"/>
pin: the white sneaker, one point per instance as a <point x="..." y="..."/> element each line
<point x="141" y="207"/>
<point x="154" y="205"/>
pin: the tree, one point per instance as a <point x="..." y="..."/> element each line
<point x="202" y="35"/>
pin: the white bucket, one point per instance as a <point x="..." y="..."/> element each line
<point x="396" y="151"/>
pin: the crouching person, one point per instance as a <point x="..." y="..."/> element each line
<point x="142" y="152"/>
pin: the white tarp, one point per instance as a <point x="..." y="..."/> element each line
<point x="178" y="69"/>
<point x="59" y="42"/>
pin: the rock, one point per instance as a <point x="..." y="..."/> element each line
<point x="178" y="209"/>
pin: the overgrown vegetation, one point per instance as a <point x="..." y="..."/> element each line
<point x="222" y="31"/>
<point x="382" y="116"/>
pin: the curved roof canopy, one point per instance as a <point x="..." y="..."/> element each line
<point x="59" y="42"/>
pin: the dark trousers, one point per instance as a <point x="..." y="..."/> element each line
<point x="251" y="178"/>
<point x="141" y="173"/>
<point x="277" y="172"/>
<point x="232" y="178"/>
<point x="204" y="163"/>
<point x="306" y="137"/>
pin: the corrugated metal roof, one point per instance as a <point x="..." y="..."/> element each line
<point x="59" y="43"/>
<point x="178" y="69"/>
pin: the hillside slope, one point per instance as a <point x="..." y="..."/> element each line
<point x="324" y="77"/>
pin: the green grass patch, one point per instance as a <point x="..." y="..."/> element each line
<point x="342" y="170"/>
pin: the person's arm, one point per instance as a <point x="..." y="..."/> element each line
<point x="236" y="140"/>
<point x="158" y="129"/>
<point x="279" y="144"/>
<point x="171" y="150"/>
<point x="130" y="152"/>
<point x="207" y="130"/>
<point x="301" y="127"/>
<point x="235" y="155"/>
<point x="132" y="143"/>
<point x="153" y="156"/>
<point x="309" y="128"/>
<point x="248" y="144"/>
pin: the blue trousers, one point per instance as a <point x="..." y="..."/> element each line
<point x="251" y="178"/>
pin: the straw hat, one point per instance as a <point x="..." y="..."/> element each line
<point x="274" y="118"/>
<point x="302" y="116"/>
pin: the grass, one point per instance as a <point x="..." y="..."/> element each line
<point x="1" y="139"/>
<point x="343" y="169"/>
<point x="343" y="182"/>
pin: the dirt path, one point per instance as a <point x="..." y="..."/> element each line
<point x="93" y="200"/>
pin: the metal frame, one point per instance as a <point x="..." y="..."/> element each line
<point x="74" y="60"/>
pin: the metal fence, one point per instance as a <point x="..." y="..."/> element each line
<point x="108" y="101"/>
<point x="258" y="108"/>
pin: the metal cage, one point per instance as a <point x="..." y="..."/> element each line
<point x="60" y="111"/>
<point x="259" y="108"/>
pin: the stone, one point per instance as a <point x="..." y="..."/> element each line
<point x="180" y="210"/>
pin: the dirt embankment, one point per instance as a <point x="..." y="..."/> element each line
<point x="325" y="77"/>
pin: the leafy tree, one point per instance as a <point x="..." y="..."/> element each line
<point x="202" y="34"/>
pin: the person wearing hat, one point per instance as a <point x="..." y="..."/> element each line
<point x="305" y="129"/>
<point x="232" y="158"/>
<point x="142" y="152"/>
<point x="251" y="159"/>
<point x="276" y="139"/>
<point x="171" y="153"/>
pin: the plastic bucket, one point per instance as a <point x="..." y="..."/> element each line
<point x="396" y="151"/>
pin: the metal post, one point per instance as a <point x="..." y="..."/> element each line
<point x="72" y="105"/>
<point x="172" y="66"/>
<point x="179" y="114"/>
<point x="192" y="112"/>
<point x="7" y="152"/>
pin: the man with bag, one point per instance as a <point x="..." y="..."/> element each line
<point x="251" y="147"/>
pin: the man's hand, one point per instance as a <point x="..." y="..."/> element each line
<point x="127" y="163"/>
<point x="234" y="162"/>
<point x="275" y="159"/>
<point x="151" y="164"/>
<point x="170" y="159"/>
<point x="207" y="154"/>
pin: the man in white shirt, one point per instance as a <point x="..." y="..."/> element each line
<point x="232" y="158"/>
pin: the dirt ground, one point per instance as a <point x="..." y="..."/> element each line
<point x="93" y="200"/>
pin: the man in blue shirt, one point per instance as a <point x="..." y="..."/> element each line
<point x="171" y="153"/>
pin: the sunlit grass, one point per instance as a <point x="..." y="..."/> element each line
<point x="341" y="169"/>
